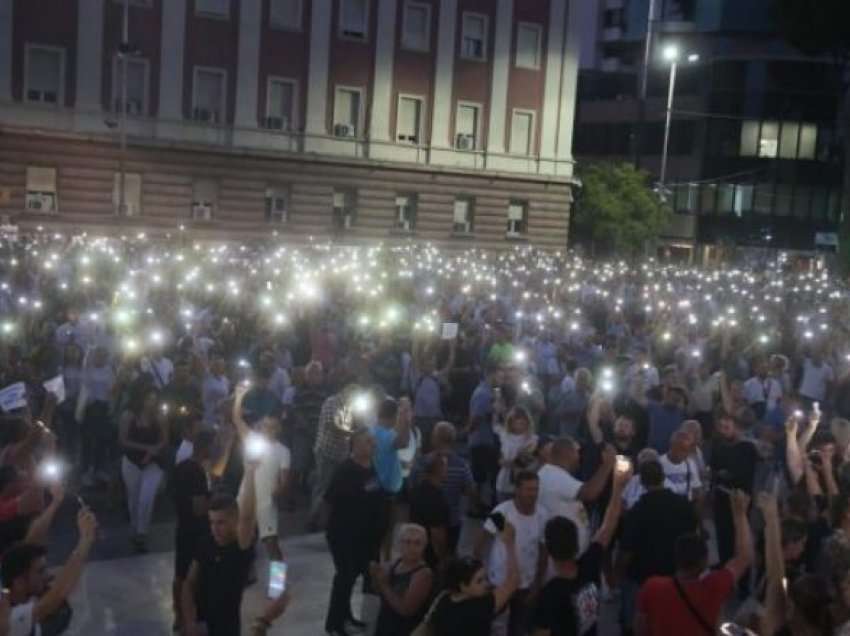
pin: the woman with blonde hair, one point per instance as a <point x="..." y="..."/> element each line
<point x="518" y="443"/>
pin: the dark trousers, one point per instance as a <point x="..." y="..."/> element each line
<point x="96" y="436"/>
<point x="484" y="461"/>
<point x="351" y="559"/>
<point x="519" y="619"/>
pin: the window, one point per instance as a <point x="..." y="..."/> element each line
<point x="208" y="100"/>
<point x="285" y="14"/>
<point x="808" y="141"/>
<point x="769" y="139"/>
<point x="749" y="138"/>
<point x="405" y="206"/>
<point x="463" y="213"/>
<point x="725" y="198"/>
<point x="474" y="41"/>
<point x="44" y="74"/>
<point x="137" y="84"/>
<point x="744" y="195"/>
<point x="217" y="8"/>
<point x="41" y="190"/>
<point x="528" y="45"/>
<point x="132" y="194"/>
<point x="416" y="33"/>
<point x="353" y="18"/>
<point x="517" y="218"/>
<point x="466" y="126"/>
<point x="347" y="112"/>
<point x="788" y="140"/>
<point x="280" y="104"/>
<point x="785" y="140"/>
<point x="204" y="199"/>
<point x="345" y="206"/>
<point x="277" y="204"/>
<point x="522" y="126"/>
<point x="409" y="124"/>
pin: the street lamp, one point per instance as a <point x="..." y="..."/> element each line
<point x="671" y="54"/>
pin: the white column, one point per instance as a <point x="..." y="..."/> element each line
<point x="248" y="69"/>
<point x="6" y="50"/>
<point x="552" y="88"/>
<point x="382" y="89"/>
<point x="569" y="82"/>
<point x="317" y="84"/>
<point x="172" y="59"/>
<point x="90" y="55"/>
<point x="444" y="80"/>
<point x="501" y="77"/>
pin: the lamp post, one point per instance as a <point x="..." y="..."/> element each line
<point x="671" y="55"/>
<point x="123" y="54"/>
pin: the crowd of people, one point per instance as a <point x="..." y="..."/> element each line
<point x="498" y="444"/>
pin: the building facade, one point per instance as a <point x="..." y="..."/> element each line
<point x="444" y="120"/>
<point x="754" y="156"/>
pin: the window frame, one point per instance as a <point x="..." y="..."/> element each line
<point x="470" y="214"/>
<point x="523" y="232"/>
<point x="116" y="88"/>
<point x="214" y="204"/>
<point x="200" y="13"/>
<point x="116" y="194"/>
<point x="341" y="27"/>
<point x="221" y="72"/>
<point x="531" y="130"/>
<point x="412" y="208"/>
<point x="63" y="59"/>
<point x="538" y="55"/>
<point x="54" y="192"/>
<point x="405" y="44"/>
<point x="339" y="224"/>
<point x="479" y="108"/>
<point x="485" y="33"/>
<point x="293" y="115"/>
<point x="279" y="26"/>
<point x="276" y="189"/>
<point x="419" y="132"/>
<point x="361" y="111"/>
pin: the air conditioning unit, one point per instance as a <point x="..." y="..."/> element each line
<point x="205" y="115"/>
<point x="202" y="212"/>
<point x="39" y="202"/>
<point x="275" y="123"/>
<point x="344" y="130"/>
<point x="465" y="142"/>
<point x="134" y="107"/>
<point x="462" y="228"/>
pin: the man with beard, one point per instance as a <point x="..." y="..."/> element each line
<point x="733" y="464"/>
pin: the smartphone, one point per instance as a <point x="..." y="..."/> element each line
<point x="498" y="520"/>
<point x="277" y="579"/>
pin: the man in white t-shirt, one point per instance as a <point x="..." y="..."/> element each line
<point x="24" y="574"/>
<point x="681" y="474"/>
<point x="159" y="367"/>
<point x="817" y="379"/>
<point x="529" y="519"/>
<point x="563" y="495"/>
<point x="761" y="391"/>
<point x="272" y="474"/>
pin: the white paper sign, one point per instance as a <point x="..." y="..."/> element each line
<point x="449" y="330"/>
<point x="13" y="397"/>
<point x="56" y="386"/>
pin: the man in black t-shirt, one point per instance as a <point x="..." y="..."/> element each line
<point x="192" y="501"/>
<point x="429" y="508"/>
<point x="569" y="602"/>
<point x="212" y="592"/>
<point x="648" y="542"/>
<point x="355" y="528"/>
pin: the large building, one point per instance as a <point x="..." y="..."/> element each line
<point x="754" y="159"/>
<point x="443" y="120"/>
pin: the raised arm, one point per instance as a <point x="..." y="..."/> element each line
<point x="611" y="519"/>
<point x="505" y="591"/>
<point x="743" y="558"/>
<point x="247" y="508"/>
<point x="773" y="618"/>
<point x="238" y="421"/>
<point x="67" y="578"/>
<point x="793" y="456"/>
<point x="404" y="419"/>
<point x="40" y="526"/>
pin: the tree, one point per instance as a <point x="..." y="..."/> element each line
<point x="616" y="209"/>
<point x="822" y="28"/>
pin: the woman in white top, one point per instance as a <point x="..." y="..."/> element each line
<point x="518" y="443"/>
<point x="94" y="405"/>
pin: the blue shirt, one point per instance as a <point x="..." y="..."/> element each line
<point x="481" y="411"/>
<point x="663" y="422"/>
<point x="387" y="464"/>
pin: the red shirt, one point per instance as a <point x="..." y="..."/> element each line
<point x="666" y="614"/>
